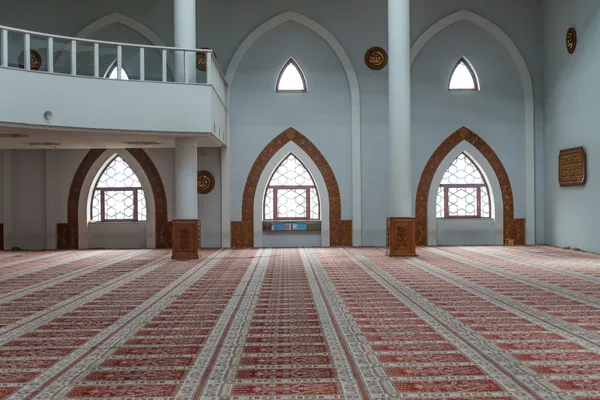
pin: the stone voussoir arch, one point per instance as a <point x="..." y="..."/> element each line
<point x="68" y="234"/>
<point x="513" y="228"/>
<point x="242" y="233"/>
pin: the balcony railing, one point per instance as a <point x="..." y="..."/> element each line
<point x="35" y="51"/>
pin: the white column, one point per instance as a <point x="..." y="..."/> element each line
<point x="186" y="172"/>
<point x="185" y="37"/>
<point x="401" y="195"/>
<point x="7" y="197"/>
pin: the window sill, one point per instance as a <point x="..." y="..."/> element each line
<point x="296" y="226"/>
<point x="115" y="222"/>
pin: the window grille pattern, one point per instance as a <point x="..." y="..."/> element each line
<point x="463" y="77"/>
<point x="463" y="193"/>
<point x="118" y="195"/>
<point x="290" y="78"/>
<point x="291" y="193"/>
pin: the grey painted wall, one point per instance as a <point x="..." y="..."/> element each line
<point x="257" y="114"/>
<point x="571" y="120"/>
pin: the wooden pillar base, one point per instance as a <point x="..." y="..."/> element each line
<point x="186" y="239"/>
<point x="400" y="237"/>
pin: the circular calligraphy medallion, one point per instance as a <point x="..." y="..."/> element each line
<point x="571" y="40"/>
<point x="36" y="60"/>
<point x="206" y="182"/>
<point x="201" y="61"/>
<point x="376" y="58"/>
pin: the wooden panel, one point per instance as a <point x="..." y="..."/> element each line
<point x="400" y="237"/>
<point x="186" y="239"/>
<point x="572" y="167"/>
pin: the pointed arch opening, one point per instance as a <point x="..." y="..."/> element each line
<point x="464" y="191"/>
<point x="291" y="193"/>
<point x="334" y="230"/>
<point x="290" y="78"/>
<point x="506" y="226"/>
<point x="112" y="72"/>
<point x="463" y="76"/>
<point x="118" y="195"/>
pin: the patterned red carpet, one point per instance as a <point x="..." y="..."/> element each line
<point x="454" y="323"/>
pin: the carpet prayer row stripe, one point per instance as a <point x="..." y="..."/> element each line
<point x="454" y="323"/>
<point x="559" y="299"/>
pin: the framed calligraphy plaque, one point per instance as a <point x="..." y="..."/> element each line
<point x="572" y="167"/>
<point x="376" y="58"/>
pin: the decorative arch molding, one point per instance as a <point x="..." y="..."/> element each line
<point x="315" y="172"/>
<point x="512" y="228"/>
<point x="523" y="70"/>
<point x="491" y="179"/>
<point x="115" y="18"/>
<point x="69" y="235"/>
<point x="337" y="48"/>
<point x="242" y="232"/>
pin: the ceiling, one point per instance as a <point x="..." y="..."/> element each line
<point x="35" y="137"/>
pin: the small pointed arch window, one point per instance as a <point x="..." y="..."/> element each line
<point x="118" y="195"/>
<point x="113" y="72"/>
<point x="291" y="193"/>
<point x="291" y="78"/>
<point x="464" y="192"/>
<point x="463" y="76"/>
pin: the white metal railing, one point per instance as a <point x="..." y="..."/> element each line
<point x="94" y="58"/>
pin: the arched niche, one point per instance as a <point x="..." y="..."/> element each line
<point x="512" y="228"/>
<point x="74" y="234"/>
<point x="242" y="232"/>
<point x="265" y="176"/>
<point x="354" y="87"/>
<point x="526" y="81"/>
<point x="490" y="177"/>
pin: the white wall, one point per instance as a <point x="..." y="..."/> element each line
<point x="257" y="115"/>
<point x="322" y="114"/>
<point x="462" y="232"/>
<point x="29" y="212"/>
<point x="209" y="205"/>
<point x="571" y="120"/>
<point x="117" y="235"/>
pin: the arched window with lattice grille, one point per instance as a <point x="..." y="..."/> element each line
<point x="118" y="195"/>
<point x="291" y="193"/>
<point x="464" y="191"/>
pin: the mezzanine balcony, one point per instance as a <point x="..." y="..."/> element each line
<point x="57" y="83"/>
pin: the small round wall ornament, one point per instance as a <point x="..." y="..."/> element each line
<point x="36" y="60"/>
<point x="571" y="40"/>
<point x="206" y="182"/>
<point x="201" y="61"/>
<point x="376" y="58"/>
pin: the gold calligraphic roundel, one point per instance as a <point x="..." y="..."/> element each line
<point x="206" y="182"/>
<point x="36" y="60"/>
<point x="376" y="58"/>
<point x="571" y="40"/>
<point x="201" y="61"/>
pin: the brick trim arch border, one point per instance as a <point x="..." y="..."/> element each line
<point x="513" y="228"/>
<point x="68" y="234"/>
<point x="242" y="232"/>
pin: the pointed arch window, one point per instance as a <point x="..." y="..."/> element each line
<point x="463" y="76"/>
<point x="464" y="192"/>
<point x="113" y="72"/>
<point x="291" y="78"/>
<point x="291" y="193"/>
<point x="118" y="195"/>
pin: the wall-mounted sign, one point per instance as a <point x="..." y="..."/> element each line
<point x="572" y="167"/>
<point x="571" y="40"/>
<point x="201" y="61"/>
<point x="206" y="182"/>
<point x="376" y="58"/>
